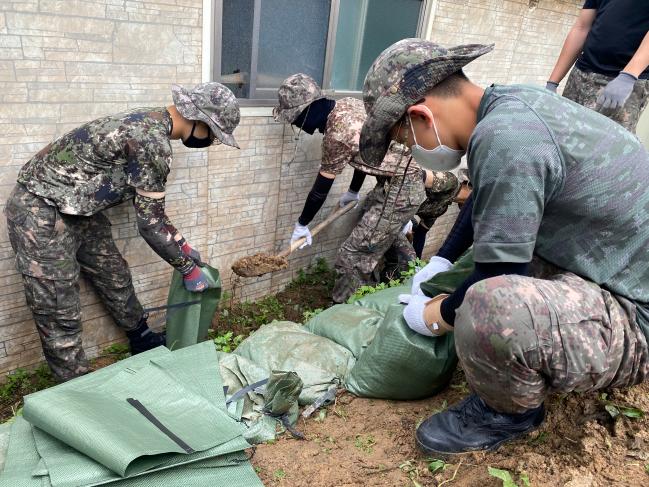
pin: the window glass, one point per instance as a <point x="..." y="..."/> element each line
<point x="365" y="28"/>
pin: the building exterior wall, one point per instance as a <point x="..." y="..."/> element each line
<point x="63" y="62"/>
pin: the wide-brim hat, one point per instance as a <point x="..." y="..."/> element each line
<point x="295" y="93"/>
<point x="400" y="77"/>
<point x="213" y="104"/>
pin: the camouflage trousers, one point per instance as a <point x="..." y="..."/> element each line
<point x="519" y="338"/>
<point x="52" y="249"/>
<point x="584" y="88"/>
<point x="386" y="209"/>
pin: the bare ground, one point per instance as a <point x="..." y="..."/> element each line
<point x="371" y="442"/>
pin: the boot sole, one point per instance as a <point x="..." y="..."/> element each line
<point x="443" y="455"/>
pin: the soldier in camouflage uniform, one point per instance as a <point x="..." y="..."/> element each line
<point x="57" y="229"/>
<point x="552" y="180"/>
<point x="610" y="45"/>
<point x="388" y="207"/>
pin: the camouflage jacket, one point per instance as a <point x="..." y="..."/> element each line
<point x="102" y="162"/>
<point x="340" y="144"/>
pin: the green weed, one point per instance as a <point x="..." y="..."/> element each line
<point x="279" y="474"/>
<point x="507" y="479"/>
<point x="616" y="409"/>
<point x="118" y="351"/>
<point x="310" y="313"/>
<point x="364" y="443"/>
<point x="226" y="342"/>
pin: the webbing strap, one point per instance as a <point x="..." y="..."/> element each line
<point x="156" y="422"/>
<point x="245" y="390"/>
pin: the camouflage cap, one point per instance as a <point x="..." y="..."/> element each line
<point x="294" y="95"/>
<point x="213" y="104"/>
<point x="400" y="77"/>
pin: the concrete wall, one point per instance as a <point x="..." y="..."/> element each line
<point x="63" y="62"/>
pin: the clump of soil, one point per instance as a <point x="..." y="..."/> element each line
<point x="258" y="265"/>
<point x="371" y="442"/>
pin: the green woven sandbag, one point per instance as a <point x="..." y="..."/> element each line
<point x="402" y="364"/>
<point x="348" y="325"/>
<point x="189" y="325"/>
<point x="284" y="345"/>
<point x="447" y="282"/>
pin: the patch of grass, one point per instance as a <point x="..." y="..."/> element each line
<point x="539" y="439"/>
<point x="413" y="266"/>
<point x="310" y="313"/>
<point x="118" y="351"/>
<point x="19" y="383"/>
<point x="410" y="468"/>
<point x="279" y="474"/>
<point x="365" y="443"/>
<point x="226" y="342"/>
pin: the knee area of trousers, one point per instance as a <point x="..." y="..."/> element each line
<point x="488" y="310"/>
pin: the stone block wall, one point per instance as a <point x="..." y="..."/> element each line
<point x="63" y="62"/>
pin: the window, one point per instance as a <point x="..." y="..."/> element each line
<point x="261" y="42"/>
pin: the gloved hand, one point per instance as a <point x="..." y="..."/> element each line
<point x="552" y="86"/>
<point x="617" y="91"/>
<point x="434" y="266"/>
<point x="347" y="197"/>
<point x="190" y="252"/>
<point x="418" y="308"/>
<point x="195" y="281"/>
<point x="301" y="231"/>
<point x="407" y="228"/>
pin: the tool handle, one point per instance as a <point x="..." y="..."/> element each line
<point x="319" y="227"/>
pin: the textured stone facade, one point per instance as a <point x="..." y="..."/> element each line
<point x="66" y="61"/>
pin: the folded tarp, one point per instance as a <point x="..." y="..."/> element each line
<point x="89" y="433"/>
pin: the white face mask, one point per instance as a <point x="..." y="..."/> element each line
<point x="441" y="158"/>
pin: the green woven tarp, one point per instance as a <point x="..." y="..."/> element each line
<point x="94" y="442"/>
<point x="284" y="345"/>
<point x="23" y="462"/>
<point x="447" y="282"/>
<point x="189" y="325"/>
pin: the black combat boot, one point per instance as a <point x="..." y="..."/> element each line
<point x="472" y="425"/>
<point x="144" y="338"/>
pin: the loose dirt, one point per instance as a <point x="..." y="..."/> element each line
<point x="258" y="265"/>
<point x="371" y="442"/>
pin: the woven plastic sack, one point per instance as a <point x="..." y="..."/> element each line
<point x="188" y="325"/>
<point x="284" y="345"/>
<point x="402" y="364"/>
<point x="348" y="325"/>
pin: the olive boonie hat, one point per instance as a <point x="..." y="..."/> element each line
<point x="213" y="104"/>
<point x="400" y="77"/>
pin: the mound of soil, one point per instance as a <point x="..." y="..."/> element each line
<point x="258" y="265"/>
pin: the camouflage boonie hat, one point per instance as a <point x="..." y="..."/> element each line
<point x="400" y="77"/>
<point x="213" y="104"/>
<point x="294" y="95"/>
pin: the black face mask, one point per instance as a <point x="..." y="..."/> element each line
<point x="196" y="143"/>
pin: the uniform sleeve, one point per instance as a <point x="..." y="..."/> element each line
<point x="148" y="163"/>
<point x="591" y="4"/>
<point x="516" y="170"/>
<point x="336" y="154"/>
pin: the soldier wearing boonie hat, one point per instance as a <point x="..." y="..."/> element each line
<point x="57" y="228"/>
<point x="536" y="162"/>
<point x="394" y="200"/>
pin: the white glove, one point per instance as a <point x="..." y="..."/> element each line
<point x="434" y="266"/>
<point x="414" y="313"/>
<point x="299" y="232"/>
<point x="348" y="197"/>
<point x="407" y="228"/>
